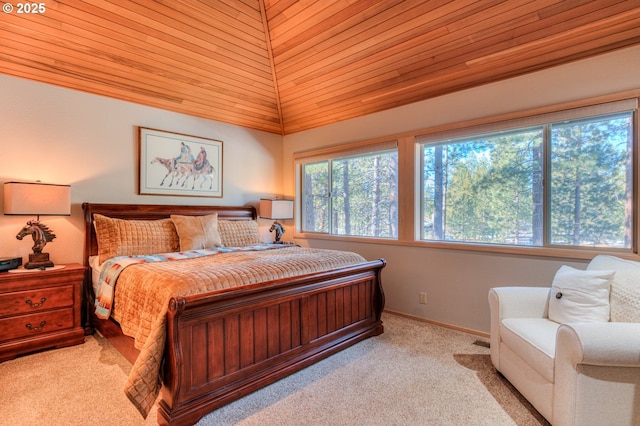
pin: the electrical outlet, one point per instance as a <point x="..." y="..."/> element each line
<point x="423" y="297"/>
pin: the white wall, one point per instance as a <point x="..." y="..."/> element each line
<point x="64" y="136"/>
<point x="457" y="282"/>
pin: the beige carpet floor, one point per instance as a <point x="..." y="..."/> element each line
<point x="413" y="374"/>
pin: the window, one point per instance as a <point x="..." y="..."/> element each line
<point x="352" y="193"/>
<point x="562" y="179"/>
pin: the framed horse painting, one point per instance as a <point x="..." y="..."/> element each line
<point x="177" y="164"/>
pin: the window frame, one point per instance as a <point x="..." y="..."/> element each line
<point x="545" y="122"/>
<point x="329" y="155"/>
<point x="409" y="183"/>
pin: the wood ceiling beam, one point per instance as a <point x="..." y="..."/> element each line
<point x="267" y="36"/>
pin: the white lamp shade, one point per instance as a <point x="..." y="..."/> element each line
<point x="37" y="199"/>
<point x="276" y="209"/>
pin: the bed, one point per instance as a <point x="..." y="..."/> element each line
<point x="217" y="345"/>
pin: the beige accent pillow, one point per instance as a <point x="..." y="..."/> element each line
<point x="120" y="237"/>
<point x="197" y="232"/>
<point x="239" y="233"/>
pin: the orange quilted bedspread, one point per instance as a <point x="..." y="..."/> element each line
<point x="143" y="291"/>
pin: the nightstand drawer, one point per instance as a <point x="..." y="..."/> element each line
<point x="40" y="310"/>
<point x="22" y="302"/>
<point x="35" y="324"/>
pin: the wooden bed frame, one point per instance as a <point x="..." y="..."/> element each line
<point x="224" y="345"/>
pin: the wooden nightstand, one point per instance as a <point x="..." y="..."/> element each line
<point x="40" y="310"/>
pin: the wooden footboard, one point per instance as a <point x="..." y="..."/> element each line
<point x="224" y="346"/>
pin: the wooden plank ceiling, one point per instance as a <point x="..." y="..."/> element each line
<point x="284" y="66"/>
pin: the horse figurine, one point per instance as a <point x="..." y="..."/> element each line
<point x="41" y="234"/>
<point x="279" y="231"/>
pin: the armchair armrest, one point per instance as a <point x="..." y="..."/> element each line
<point x="514" y="302"/>
<point x="597" y="361"/>
<point x="599" y="343"/>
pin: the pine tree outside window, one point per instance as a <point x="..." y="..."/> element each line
<point x="562" y="179"/>
<point x="351" y="193"/>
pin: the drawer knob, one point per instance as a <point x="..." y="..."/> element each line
<point x="35" y="305"/>
<point x="32" y="328"/>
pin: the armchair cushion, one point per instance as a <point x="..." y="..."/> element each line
<point x="533" y="340"/>
<point x="580" y="296"/>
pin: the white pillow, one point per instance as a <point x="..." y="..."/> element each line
<point x="625" y="287"/>
<point x="580" y="296"/>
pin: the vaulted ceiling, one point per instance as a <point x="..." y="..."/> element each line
<point x="284" y="66"/>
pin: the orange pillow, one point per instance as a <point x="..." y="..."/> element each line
<point x="120" y="237"/>
<point x="239" y="233"/>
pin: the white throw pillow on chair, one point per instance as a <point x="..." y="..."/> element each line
<point x="580" y="296"/>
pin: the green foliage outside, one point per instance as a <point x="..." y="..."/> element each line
<point x="354" y="195"/>
<point x="490" y="189"/>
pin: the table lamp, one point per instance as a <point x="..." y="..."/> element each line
<point x="277" y="210"/>
<point x="37" y="199"/>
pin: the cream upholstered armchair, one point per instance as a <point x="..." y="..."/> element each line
<point x="573" y="350"/>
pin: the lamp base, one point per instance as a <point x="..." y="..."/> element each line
<point x="279" y="230"/>
<point x="38" y="261"/>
